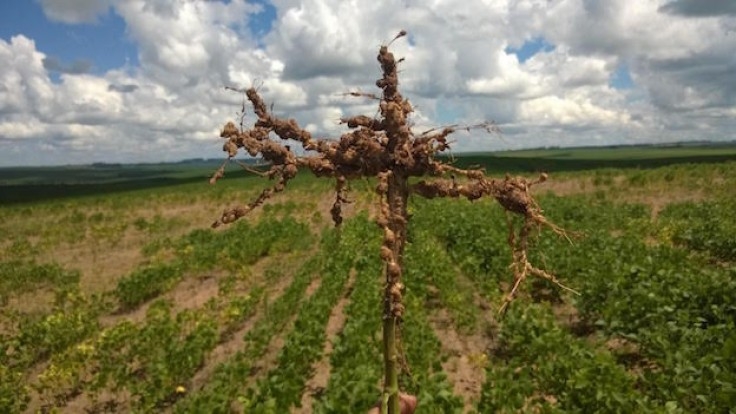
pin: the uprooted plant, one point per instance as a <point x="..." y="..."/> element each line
<point x="385" y="147"/>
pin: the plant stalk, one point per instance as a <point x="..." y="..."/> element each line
<point x="397" y="195"/>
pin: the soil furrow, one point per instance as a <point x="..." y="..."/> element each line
<point x="321" y="369"/>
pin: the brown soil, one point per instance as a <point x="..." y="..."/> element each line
<point x="190" y="293"/>
<point x="193" y="293"/>
<point x="107" y="402"/>
<point x="629" y="354"/>
<point x="268" y="360"/>
<point x="569" y="186"/>
<point x="468" y="354"/>
<point x="566" y="314"/>
<point x="312" y="287"/>
<point x="465" y="368"/>
<point x="236" y="341"/>
<point x="655" y="195"/>
<point x="321" y="368"/>
<point x="33" y="302"/>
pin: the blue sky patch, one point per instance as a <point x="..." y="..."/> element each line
<point x="447" y="112"/>
<point x="100" y="46"/>
<point x="260" y="24"/>
<point x="621" y="78"/>
<point x="530" y="48"/>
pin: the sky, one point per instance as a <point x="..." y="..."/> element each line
<point x="85" y="81"/>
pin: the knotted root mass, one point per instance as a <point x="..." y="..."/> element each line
<point x="384" y="147"/>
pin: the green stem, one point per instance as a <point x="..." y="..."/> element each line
<point x="390" y="358"/>
<point x="397" y="197"/>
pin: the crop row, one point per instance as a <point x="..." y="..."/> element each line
<point x="707" y="226"/>
<point x="33" y="338"/>
<point x="282" y="388"/>
<point x="356" y="360"/>
<point x="203" y="250"/>
<point x="356" y="363"/>
<point x="24" y="276"/>
<point x="71" y="335"/>
<point x="148" y="361"/>
<point x="225" y="385"/>
<point x="538" y="366"/>
<point x="667" y="316"/>
<point x="676" y="308"/>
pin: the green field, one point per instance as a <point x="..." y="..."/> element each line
<point x="28" y="184"/>
<point x="116" y="296"/>
<point x="590" y="158"/>
<point x="673" y="153"/>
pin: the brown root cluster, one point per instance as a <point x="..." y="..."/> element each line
<point x="384" y="147"/>
<point x="513" y="194"/>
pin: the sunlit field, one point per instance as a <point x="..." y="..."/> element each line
<point x="119" y="297"/>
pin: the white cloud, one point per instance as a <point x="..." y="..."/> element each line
<point x="458" y="67"/>
<point x="21" y="129"/>
<point x="24" y="84"/>
<point x="552" y="110"/>
<point x="510" y="79"/>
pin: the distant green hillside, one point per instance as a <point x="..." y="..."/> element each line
<point x="576" y="159"/>
<point x="24" y="184"/>
<point x="623" y="153"/>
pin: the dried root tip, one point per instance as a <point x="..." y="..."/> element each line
<point x="505" y="305"/>
<point x="336" y="214"/>
<point x="217" y="175"/>
<point x="402" y="33"/>
<point x="340" y="190"/>
<point x="358" y="94"/>
<point x="232" y="215"/>
<point x="540" y="219"/>
<point x="544" y="275"/>
<point x="521" y="266"/>
<point x="220" y="171"/>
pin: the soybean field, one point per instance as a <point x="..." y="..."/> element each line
<point x="128" y="301"/>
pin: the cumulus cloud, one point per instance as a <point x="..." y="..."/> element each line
<point x="463" y="64"/>
<point x="24" y="83"/>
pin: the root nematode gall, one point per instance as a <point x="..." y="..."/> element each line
<point x="384" y="147"/>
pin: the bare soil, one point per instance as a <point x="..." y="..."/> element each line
<point x="465" y="368"/>
<point x="236" y="340"/>
<point x="656" y="195"/>
<point x="322" y="368"/>
<point x="268" y="360"/>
